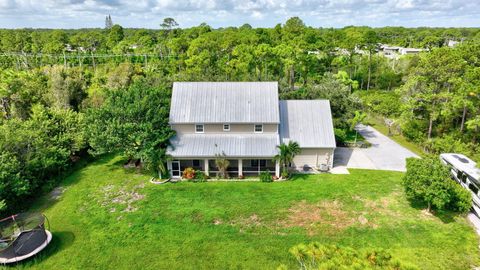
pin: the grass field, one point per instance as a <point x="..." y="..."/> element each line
<point x="110" y="218"/>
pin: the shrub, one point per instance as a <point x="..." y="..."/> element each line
<point x="200" y="177"/>
<point x="285" y="174"/>
<point x="317" y="256"/>
<point x="340" y="135"/>
<point x="188" y="173"/>
<point x="266" y="176"/>
<point x="427" y="180"/>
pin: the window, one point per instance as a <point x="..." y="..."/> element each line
<point x="226" y="127"/>
<point x="464" y="178"/>
<point x="196" y="163"/>
<point x="198" y="128"/>
<point x="473" y="188"/>
<point x="258" y="128"/>
<point x="459" y="175"/>
<point x="255" y="162"/>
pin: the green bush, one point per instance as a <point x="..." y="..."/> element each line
<point x="340" y="135"/>
<point x="285" y="174"/>
<point x="428" y="181"/>
<point x="266" y="176"/>
<point x="200" y="177"/>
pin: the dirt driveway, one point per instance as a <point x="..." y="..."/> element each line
<point x="384" y="154"/>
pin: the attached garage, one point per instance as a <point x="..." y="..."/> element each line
<point x="309" y="123"/>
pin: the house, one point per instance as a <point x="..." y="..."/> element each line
<point x="405" y="51"/>
<point x="246" y="122"/>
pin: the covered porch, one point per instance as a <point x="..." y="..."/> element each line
<point x="239" y="167"/>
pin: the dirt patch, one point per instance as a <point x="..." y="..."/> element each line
<point x="114" y="198"/>
<point x="247" y="222"/>
<point x="384" y="206"/>
<point x="57" y="193"/>
<point x="312" y="216"/>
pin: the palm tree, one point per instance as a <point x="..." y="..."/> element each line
<point x="286" y="154"/>
<point x="222" y="164"/>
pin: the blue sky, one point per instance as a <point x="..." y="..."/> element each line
<point x="258" y="13"/>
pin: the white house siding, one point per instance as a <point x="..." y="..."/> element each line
<point x="313" y="158"/>
<point x="218" y="128"/>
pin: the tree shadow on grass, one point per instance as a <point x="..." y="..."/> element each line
<point x="443" y="215"/>
<point x="60" y="241"/>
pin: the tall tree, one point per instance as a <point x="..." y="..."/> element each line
<point x="133" y="121"/>
<point x="108" y="22"/>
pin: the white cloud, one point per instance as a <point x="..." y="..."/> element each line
<point x="327" y="13"/>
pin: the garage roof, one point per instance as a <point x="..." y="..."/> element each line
<point x="308" y="122"/>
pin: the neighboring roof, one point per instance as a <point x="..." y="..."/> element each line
<point x="308" y="122"/>
<point x="224" y="102"/>
<point x="233" y="145"/>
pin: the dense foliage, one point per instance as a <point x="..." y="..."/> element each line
<point x="63" y="92"/>
<point x="317" y="256"/>
<point x="428" y="181"/>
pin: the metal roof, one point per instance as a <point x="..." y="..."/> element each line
<point x="224" y="102"/>
<point x="462" y="163"/>
<point x="308" y="122"/>
<point x="233" y="145"/>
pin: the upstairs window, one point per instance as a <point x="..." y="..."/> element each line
<point x="258" y="128"/>
<point x="226" y="127"/>
<point x="199" y="128"/>
<point x="473" y="188"/>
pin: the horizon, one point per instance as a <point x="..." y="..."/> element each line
<point x="80" y="14"/>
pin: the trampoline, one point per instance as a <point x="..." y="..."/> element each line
<point x="22" y="236"/>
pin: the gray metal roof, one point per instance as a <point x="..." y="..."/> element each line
<point x="233" y="145"/>
<point x="224" y="102"/>
<point x="308" y="122"/>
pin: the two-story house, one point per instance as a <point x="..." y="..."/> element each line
<point x="246" y="122"/>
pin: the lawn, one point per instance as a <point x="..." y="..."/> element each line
<point x="111" y="218"/>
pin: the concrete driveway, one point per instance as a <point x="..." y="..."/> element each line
<point x="384" y="154"/>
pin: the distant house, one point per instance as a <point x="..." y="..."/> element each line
<point x="404" y="51"/>
<point x="246" y="122"/>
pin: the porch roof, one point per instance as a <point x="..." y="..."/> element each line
<point x="233" y="145"/>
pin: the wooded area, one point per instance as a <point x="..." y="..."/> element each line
<point x="68" y="94"/>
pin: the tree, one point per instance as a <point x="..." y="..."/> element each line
<point x="286" y="154"/>
<point x="371" y="45"/>
<point x="108" y="22"/>
<point x="115" y="35"/>
<point x="222" y="164"/>
<point x="168" y="24"/>
<point x="133" y="121"/>
<point x="357" y="119"/>
<point x="428" y="181"/>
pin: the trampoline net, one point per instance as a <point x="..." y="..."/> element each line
<point x="16" y="230"/>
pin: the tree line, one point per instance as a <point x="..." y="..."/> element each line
<point x="60" y="102"/>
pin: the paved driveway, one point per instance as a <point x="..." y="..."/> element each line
<point x="384" y="154"/>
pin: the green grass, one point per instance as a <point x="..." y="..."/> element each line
<point x="240" y="225"/>
<point x="378" y="124"/>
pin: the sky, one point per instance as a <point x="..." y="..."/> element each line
<point x="221" y="13"/>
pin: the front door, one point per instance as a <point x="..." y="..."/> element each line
<point x="176" y="169"/>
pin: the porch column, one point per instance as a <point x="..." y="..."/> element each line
<point x="205" y="164"/>
<point x="169" y="167"/>
<point x="240" y="167"/>
<point x="277" y="169"/>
